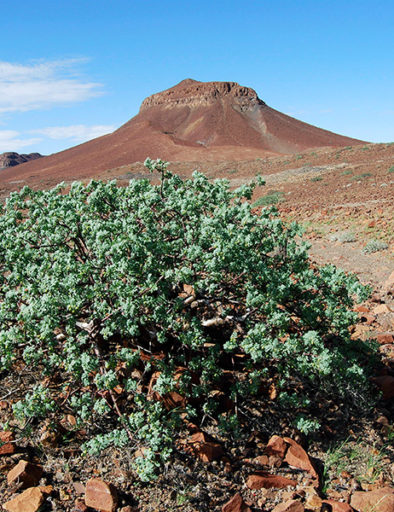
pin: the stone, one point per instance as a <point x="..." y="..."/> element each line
<point x="361" y="309"/>
<point x="29" y="501"/>
<point x="26" y="473"/>
<point x="385" y="338"/>
<point x="6" y="447"/>
<point x="46" y="489"/>
<point x="289" y="506"/>
<point x="276" y="446"/>
<point x="297" y="457"/>
<point x="313" y="502"/>
<point x="388" y="286"/>
<point x="381" y="309"/>
<point x="337" y="506"/>
<point x="386" y="384"/>
<point x="380" y="500"/>
<point x="203" y="448"/>
<point x="79" y="506"/>
<point x="236" y="504"/>
<point x="266" y="481"/>
<point x="100" y="495"/>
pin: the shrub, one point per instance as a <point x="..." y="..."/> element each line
<point x="138" y="309"/>
<point x="273" y="197"/>
<point x="343" y="237"/>
<point x="375" y="246"/>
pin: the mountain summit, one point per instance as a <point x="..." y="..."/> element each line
<point x="192" y="121"/>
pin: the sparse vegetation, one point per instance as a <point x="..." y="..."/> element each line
<point x="365" y="461"/>
<point x="391" y="170"/>
<point x="362" y="176"/>
<point x="273" y="197"/>
<point x="139" y="309"/>
<point x="375" y="246"/>
<point x="317" y="178"/>
<point x="343" y="237"/>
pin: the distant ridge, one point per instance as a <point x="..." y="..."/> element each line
<point x="192" y="121"/>
<point x="11" y="159"/>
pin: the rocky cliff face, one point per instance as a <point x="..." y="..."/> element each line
<point x="11" y="159"/>
<point x="198" y="94"/>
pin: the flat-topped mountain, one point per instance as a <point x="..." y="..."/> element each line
<point x="192" y="121"/>
<point x="11" y="159"/>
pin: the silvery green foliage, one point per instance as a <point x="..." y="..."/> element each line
<point x="375" y="246"/>
<point x="92" y="286"/>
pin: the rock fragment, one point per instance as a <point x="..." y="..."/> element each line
<point x="297" y="457"/>
<point x="26" y="473"/>
<point x="266" y="481"/>
<point x="6" y="447"/>
<point x="289" y="506"/>
<point x="236" y="504"/>
<point x="29" y="501"/>
<point x="100" y="495"/>
<point x="276" y="446"/>
<point x="380" y="500"/>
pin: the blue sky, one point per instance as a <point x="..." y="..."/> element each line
<point x="71" y="70"/>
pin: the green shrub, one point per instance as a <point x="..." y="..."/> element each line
<point x="361" y="176"/>
<point x="273" y="197"/>
<point x="391" y="170"/>
<point x="137" y="309"/>
<point x="375" y="246"/>
<point x="317" y="178"/>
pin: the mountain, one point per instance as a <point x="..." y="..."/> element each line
<point x="192" y="121"/>
<point x="11" y="159"/>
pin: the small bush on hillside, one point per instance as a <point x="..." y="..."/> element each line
<point x="273" y="197"/>
<point x="375" y="246"/>
<point x="139" y="309"/>
<point x="344" y="237"/>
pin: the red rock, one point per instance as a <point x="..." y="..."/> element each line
<point x="6" y="448"/>
<point x="79" y="506"/>
<point x="262" y="460"/>
<point x="361" y="309"/>
<point x="289" y="506"/>
<point x="337" y="506"/>
<point x="46" y="489"/>
<point x="26" y="473"/>
<point x="385" y="339"/>
<point x="29" y="501"/>
<point x="205" y="450"/>
<point x="100" y="495"/>
<point x="386" y="384"/>
<point x="236" y="504"/>
<point x="266" y="481"/>
<point x="297" y="457"/>
<point x="276" y="446"/>
<point x="313" y="502"/>
<point x="380" y="500"/>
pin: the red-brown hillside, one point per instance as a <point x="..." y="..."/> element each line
<point x="193" y="121"/>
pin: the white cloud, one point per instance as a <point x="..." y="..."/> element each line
<point x="42" y="85"/>
<point x="10" y="140"/>
<point x="77" y="133"/>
